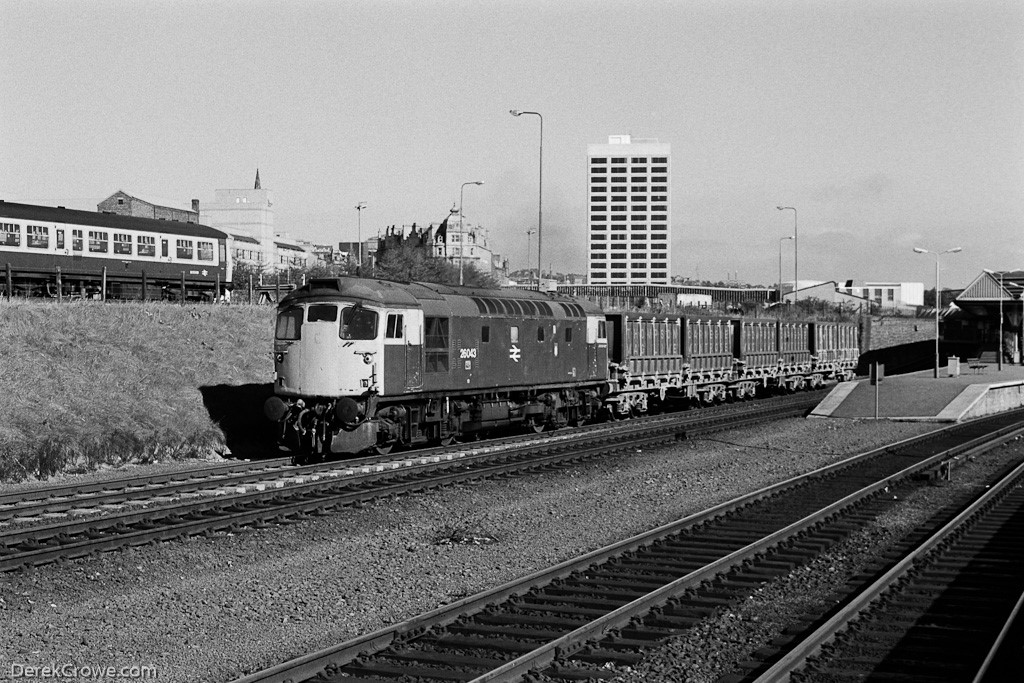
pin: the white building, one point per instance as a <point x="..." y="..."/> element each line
<point x="248" y="218"/>
<point x="887" y="294"/>
<point x="457" y="239"/>
<point x="628" y="207"/>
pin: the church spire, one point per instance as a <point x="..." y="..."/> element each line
<point x="257" y="179"/>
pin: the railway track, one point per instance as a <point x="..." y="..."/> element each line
<point x="582" y="618"/>
<point x="136" y="513"/>
<point x="959" y="591"/>
<point x="31" y="505"/>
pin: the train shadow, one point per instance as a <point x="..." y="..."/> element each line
<point x="238" y="410"/>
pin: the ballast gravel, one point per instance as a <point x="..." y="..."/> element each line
<point x="215" y="608"/>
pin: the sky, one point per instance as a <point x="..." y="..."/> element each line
<point x="888" y="124"/>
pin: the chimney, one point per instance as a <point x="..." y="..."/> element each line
<point x="195" y="205"/>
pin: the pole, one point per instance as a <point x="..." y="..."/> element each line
<point x="359" y="236"/>
<point x="462" y="233"/>
<point x="796" y="254"/>
<point x="938" y="301"/>
<point x="540" y="191"/>
<point x="999" y="351"/>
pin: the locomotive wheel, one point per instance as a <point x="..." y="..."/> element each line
<point x="448" y="440"/>
<point x="537" y="427"/>
<point x="383" y="450"/>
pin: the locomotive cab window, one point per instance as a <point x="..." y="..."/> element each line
<point x="358" y="323"/>
<point x="395" y="326"/>
<point x="289" y="324"/>
<point x="322" y="313"/>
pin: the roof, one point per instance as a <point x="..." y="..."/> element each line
<point x="292" y="247"/>
<point x="58" y="214"/>
<point x="160" y="202"/>
<point x="986" y="287"/>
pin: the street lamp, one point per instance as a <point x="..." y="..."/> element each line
<point x="937" y="254"/>
<point x="999" y="349"/>
<point x="529" y="234"/>
<point x="781" y="240"/>
<point x="359" y="236"/>
<point x="540" y="192"/>
<point x="796" y="244"/>
<point x="462" y="242"/>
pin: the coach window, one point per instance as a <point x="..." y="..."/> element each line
<point x="122" y="243"/>
<point x="10" y="234"/>
<point x="358" y="323"/>
<point x="76" y="240"/>
<point x="60" y="238"/>
<point x="185" y="249"/>
<point x="485" y="334"/>
<point x="514" y="333"/>
<point x="205" y="251"/>
<point x="98" y="241"/>
<point x="289" y="324"/>
<point x="37" y="237"/>
<point x="395" y="326"/>
<point x="147" y="245"/>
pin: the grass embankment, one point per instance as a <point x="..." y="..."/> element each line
<point x="88" y="384"/>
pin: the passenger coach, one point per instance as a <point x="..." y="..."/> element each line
<point x="46" y="251"/>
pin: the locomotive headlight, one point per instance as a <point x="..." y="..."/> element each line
<point x="367" y="358"/>
<point x="279" y="357"/>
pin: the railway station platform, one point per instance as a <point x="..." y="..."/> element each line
<point x="920" y="396"/>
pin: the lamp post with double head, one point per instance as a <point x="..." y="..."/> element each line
<point x="781" y="240"/>
<point x="359" y="237"/>
<point x="938" y="298"/>
<point x="796" y="254"/>
<point x="540" y="182"/>
<point x="462" y="234"/>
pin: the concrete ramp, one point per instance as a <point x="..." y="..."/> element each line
<point x="920" y="396"/>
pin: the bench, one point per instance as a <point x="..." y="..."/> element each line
<point x="976" y="364"/>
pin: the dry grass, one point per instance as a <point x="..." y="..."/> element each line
<point x="87" y="384"/>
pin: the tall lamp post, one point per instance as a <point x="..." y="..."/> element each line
<point x="359" y="236"/>
<point x="938" y="300"/>
<point x="529" y="234"/>
<point x="462" y="234"/>
<point x="796" y="252"/>
<point x="540" y="191"/>
<point x="999" y="350"/>
<point x="781" y="240"/>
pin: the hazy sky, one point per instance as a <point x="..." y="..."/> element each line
<point x="888" y="124"/>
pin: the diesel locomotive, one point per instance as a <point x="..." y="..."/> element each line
<point x="365" y="365"/>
